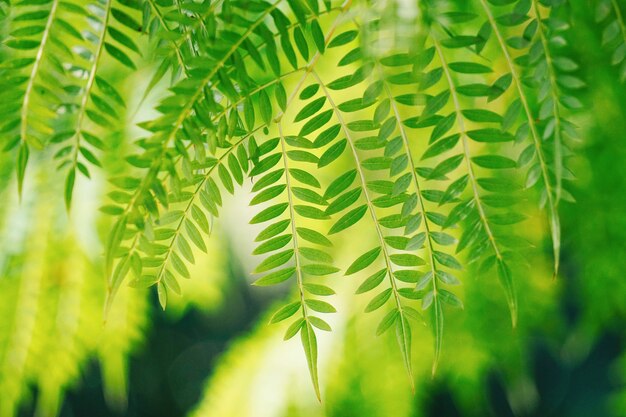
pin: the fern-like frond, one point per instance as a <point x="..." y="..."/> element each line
<point x="31" y="31"/>
<point x="109" y="30"/>
<point x="556" y="84"/>
<point x="429" y="280"/>
<point x="539" y="173"/>
<point x="482" y="223"/>
<point x="609" y="13"/>
<point x="74" y="163"/>
<point x="398" y="315"/>
<point x="481" y="226"/>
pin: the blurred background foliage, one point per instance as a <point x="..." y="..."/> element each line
<point x="211" y="353"/>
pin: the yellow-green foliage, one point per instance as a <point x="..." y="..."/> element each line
<point x="414" y="153"/>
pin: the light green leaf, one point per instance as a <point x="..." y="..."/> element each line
<point x="309" y="342"/>
<point x="285" y="312"/>
<point x="275" y="277"/>
<point x="274" y="261"/>
<point x="363" y="261"/>
<point x="348" y="219"/>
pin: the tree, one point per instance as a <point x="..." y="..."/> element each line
<point x="437" y="131"/>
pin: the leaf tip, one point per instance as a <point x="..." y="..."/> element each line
<point x="514" y="317"/>
<point x="433" y="370"/>
<point x="108" y="302"/>
<point x="555" y="272"/>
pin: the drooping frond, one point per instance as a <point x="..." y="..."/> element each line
<point x="610" y="14"/>
<point x="27" y="78"/>
<point x="109" y="30"/>
<point x="552" y="76"/>
<point x="539" y="173"/>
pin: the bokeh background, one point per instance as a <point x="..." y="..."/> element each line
<point x="212" y="353"/>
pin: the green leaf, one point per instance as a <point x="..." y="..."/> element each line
<point x="171" y="283"/>
<point x="494" y="162"/>
<point x="268" y="194"/>
<point x="378" y="301"/>
<point x="447" y="260"/>
<point x="162" y="294"/>
<point x="309" y="343"/>
<point x="364" y="261"/>
<point x="310" y="109"/>
<point x="372" y="281"/>
<point x="403" y="336"/>
<point x="490" y="135"/>
<point x="387" y="322"/>
<point x="304" y="177"/>
<point x="343" y="38"/>
<point x="309" y="91"/>
<point x="441" y="146"/>
<point x="285" y="312"/>
<point x="195" y="236"/>
<point x="319" y="269"/>
<point x="281" y="96"/>
<point x="310" y="212"/>
<point x="506" y="279"/>
<point x="320" y="306"/>
<point x="460" y="41"/>
<point x="317" y="289"/>
<point x="318" y="35"/>
<point x="340" y="184"/>
<point x="269" y="213"/>
<point x="22" y="161"/>
<point x="450" y="299"/>
<point x="119" y="55"/>
<point x="69" y="188"/>
<point x="294" y="328"/>
<point x="319" y="323"/>
<point x="268" y="179"/>
<point x="348" y="219"/>
<point x="332" y="153"/>
<point x="275" y="277"/>
<point x="226" y="179"/>
<point x="406" y="259"/>
<point x="316" y="255"/>
<point x="272" y="244"/>
<point x="469" y="68"/>
<point x="274" y="261"/>
<point x="309" y="196"/>
<point x="481" y="115"/>
<point x="344" y="201"/>
<point x="265" y="107"/>
<point x="273" y="230"/>
<point x="313" y="236"/>
<point x="408" y="275"/>
<point x="316" y="123"/>
<point x="438" y="323"/>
